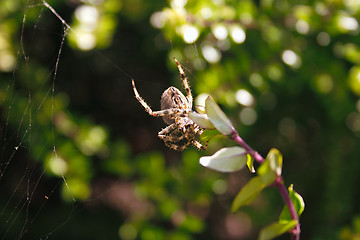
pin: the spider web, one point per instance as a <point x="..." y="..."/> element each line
<point x="26" y="198"/>
<point x="35" y="181"/>
<point x="29" y="186"/>
<point x="27" y="192"/>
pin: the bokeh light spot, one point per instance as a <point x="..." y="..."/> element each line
<point x="274" y="72"/>
<point x="127" y="232"/>
<point x="178" y="3"/>
<point x="158" y="19"/>
<point x="246" y="18"/>
<point x="352" y="5"/>
<point x="7" y="61"/>
<point x="324" y="83"/>
<point x="256" y="80"/>
<point x="76" y="188"/>
<point x="237" y="34"/>
<point x="220" y="32"/>
<point x="244" y="97"/>
<point x="302" y="27"/>
<point x="219" y="186"/>
<point x="323" y="39"/>
<point x="248" y="116"/>
<point x="85" y="40"/>
<point x="321" y="8"/>
<point x="211" y="54"/>
<point x="92" y="140"/>
<point x="347" y="23"/>
<point x="354" y="79"/>
<point x="353" y="121"/>
<point x="206" y="13"/>
<point x="291" y="58"/>
<point x="58" y="166"/>
<point x="224" y="45"/>
<point x="190" y="33"/>
<point x="87" y="16"/>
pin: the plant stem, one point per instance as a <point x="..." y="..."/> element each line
<point x="279" y="184"/>
<point x="235" y="136"/>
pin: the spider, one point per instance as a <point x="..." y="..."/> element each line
<point x="175" y="108"/>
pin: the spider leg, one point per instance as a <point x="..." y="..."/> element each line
<point x="198" y="130"/>
<point x="171" y="134"/>
<point x="178" y="140"/>
<point x="170" y="138"/>
<point x="177" y="147"/>
<point x="167" y="130"/>
<point x="140" y="99"/>
<point x="186" y="83"/>
<point x="194" y="131"/>
<point x="174" y="138"/>
<point x="171" y="111"/>
<point x="199" y="146"/>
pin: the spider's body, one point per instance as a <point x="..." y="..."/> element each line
<point x="175" y="108"/>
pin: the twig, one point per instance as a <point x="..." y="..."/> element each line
<point x="279" y="184"/>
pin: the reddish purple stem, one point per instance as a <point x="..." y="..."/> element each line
<point x="235" y="136"/>
<point x="279" y="183"/>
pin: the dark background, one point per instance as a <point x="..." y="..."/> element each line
<point x="80" y="158"/>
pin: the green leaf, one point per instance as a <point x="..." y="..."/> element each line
<point x="208" y="134"/>
<point x="276" y="229"/>
<point x="266" y="174"/>
<point x="202" y="120"/>
<point x="226" y="160"/>
<point x="218" y="118"/>
<point x="275" y="160"/>
<point x="200" y="109"/>
<point x="248" y="193"/>
<point x="271" y="168"/>
<point x="298" y="202"/>
<point x="250" y="163"/>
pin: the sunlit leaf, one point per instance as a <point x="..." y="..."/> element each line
<point x="200" y="109"/>
<point x="248" y="193"/>
<point x="218" y="117"/>
<point x="267" y="175"/>
<point x="272" y="166"/>
<point x="275" y="161"/>
<point x="276" y="229"/>
<point x="226" y="160"/>
<point x="208" y="134"/>
<point x="202" y="120"/>
<point x="250" y="163"/>
<point x="298" y="203"/>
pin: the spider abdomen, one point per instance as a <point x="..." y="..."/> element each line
<point x="170" y="99"/>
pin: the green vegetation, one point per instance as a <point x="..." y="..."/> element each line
<point x="80" y="158"/>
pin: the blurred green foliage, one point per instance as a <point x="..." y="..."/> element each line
<point x="287" y="73"/>
<point x="353" y="232"/>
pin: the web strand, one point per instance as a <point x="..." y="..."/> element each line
<point x="17" y="209"/>
<point x="25" y="189"/>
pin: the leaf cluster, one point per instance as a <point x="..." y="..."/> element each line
<point x="232" y="159"/>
